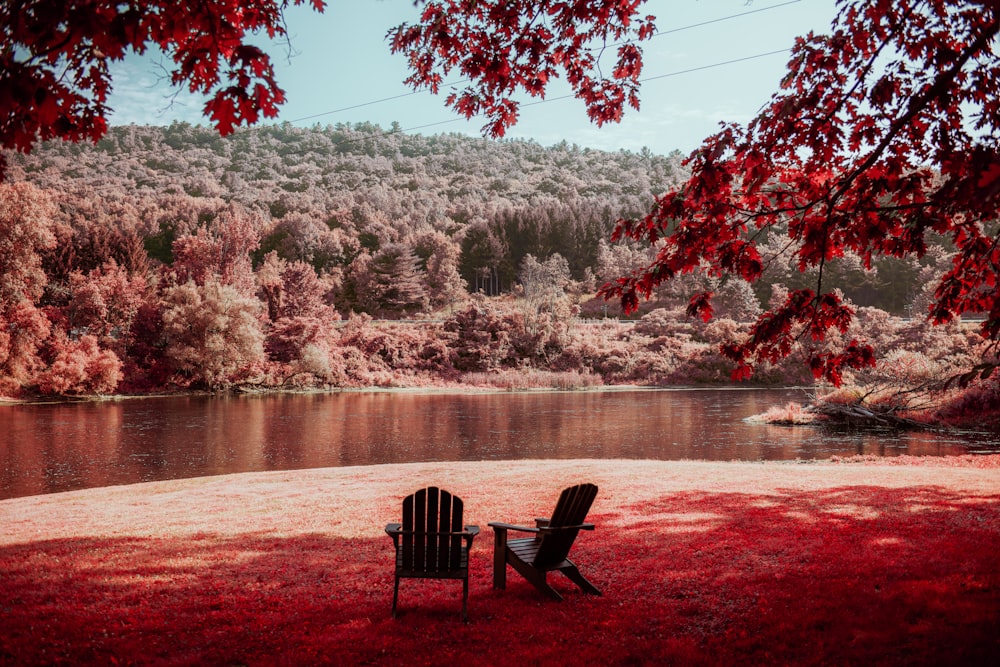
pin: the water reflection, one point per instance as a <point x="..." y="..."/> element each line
<point x="59" y="447"/>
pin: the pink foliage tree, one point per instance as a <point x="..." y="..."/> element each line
<point x="80" y="367"/>
<point x="26" y="214"/>
<point x="23" y="331"/>
<point x="221" y="251"/>
<point x="391" y="282"/>
<point x="213" y="334"/>
<point x="300" y="335"/>
<point x="485" y="336"/>
<point x="439" y="256"/>
<point x="105" y="302"/>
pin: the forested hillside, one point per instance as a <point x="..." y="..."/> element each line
<point x="337" y="197"/>
<point x="173" y="258"/>
<point x="340" y="197"/>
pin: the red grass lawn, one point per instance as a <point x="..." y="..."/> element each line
<point x="700" y="563"/>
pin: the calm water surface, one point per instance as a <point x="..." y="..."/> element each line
<point x="61" y="447"/>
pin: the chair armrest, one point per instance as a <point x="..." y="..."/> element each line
<point x="556" y="529"/>
<point x="509" y="526"/>
<point x="394" y="530"/>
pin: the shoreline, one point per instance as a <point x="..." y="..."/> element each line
<point x="425" y="389"/>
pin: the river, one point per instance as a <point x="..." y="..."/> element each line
<point x="48" y="448"/>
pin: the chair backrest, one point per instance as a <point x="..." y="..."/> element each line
<point x="431" y="540"/>
<point x="571" y="510"/>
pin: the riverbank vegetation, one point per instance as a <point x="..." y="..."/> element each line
<point x="890" y="561"/>
<point x="170" y="259"/>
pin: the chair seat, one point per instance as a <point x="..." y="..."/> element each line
<point x="526" y="549"/>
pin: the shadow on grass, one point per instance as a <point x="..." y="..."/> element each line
<point x="859" y="575"/>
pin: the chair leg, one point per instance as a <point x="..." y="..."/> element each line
<point x="499" y="558"/>
<point x="536" y="578"/>
<point x="395" y="596"/>
<point x="574" y="575"/>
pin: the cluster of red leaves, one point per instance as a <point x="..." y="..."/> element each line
<point x="850" y="575"/>
<point x="506" y="46"/>
<point x="54" y="74"/>
<point x="884" y="132"/>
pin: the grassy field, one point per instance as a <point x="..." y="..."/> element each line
<point x="875" y="562"/>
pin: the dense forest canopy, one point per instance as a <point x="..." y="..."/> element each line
<point x="331" y="195"/>
<point x="327" y="195"/>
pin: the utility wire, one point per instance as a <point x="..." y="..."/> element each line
<point x="724" y="18"/>
<point x="461" y="81"/>
<point x="347" y="142"/>
<point x="644" y="80"/>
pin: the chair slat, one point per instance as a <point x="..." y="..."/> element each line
<point x="405" y="558"/>
<point x="456" y="553"/>
<point x="442" y="542"/>
<point x="420" y="525"/>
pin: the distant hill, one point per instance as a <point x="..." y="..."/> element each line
<point x="328" y="195"/>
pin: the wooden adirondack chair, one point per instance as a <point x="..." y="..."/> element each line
<point x="535" y="557"/>
<point x="432" y="543"/>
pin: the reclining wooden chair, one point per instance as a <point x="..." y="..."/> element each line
<point x="534" y="557"/>
<point x="432" y="543"/>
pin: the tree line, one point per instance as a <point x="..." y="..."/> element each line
<point x="174" y="258"/>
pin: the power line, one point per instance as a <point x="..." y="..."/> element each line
<point x="644" y="80"/>
<point x="725" y="18"/>
<point x="719" y="64"/>
<point x="362" y="104"/>
<point x="461" y="81"/>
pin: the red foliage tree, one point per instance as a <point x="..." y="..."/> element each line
<point x="213" y="334"/>
<point x="506" y="46"/>
<point x="54" y="63"/>
<point x="80" y="367"/>
<point x="852" y="158"/>
<point x="885" y="131"/>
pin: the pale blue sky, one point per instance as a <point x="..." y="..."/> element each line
<point x="342" y="60"/>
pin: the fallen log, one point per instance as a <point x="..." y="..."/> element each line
<point x="859" y="415"/>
